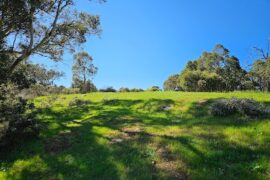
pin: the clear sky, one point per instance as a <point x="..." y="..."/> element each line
<point x="145" y="41"/>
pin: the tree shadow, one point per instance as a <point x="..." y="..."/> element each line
<point x="91" y="154"/>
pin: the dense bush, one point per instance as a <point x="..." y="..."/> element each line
<point x="136" y="90"/>
<point x="124" y="89"/>
<point x="70" y="91"/>
<point x="200" y="81"/>
<point x="108" y="89"/>
<point x="172" y="83"/>
<point x="218" y="70"/>
<point x="154" y="88"/>
<point x="17" y="118"/>
<point x="41" y="90"/>
<point x="247" y="107"/>
<point x="84" y="87"/>
<point x="78" y="102"/>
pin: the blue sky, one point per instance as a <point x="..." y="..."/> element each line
<point x="145" y="41"/>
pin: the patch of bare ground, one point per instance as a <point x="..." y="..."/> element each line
<point x="118" y="138"/>
<point x="125" y="134"/>
<point x="168" y="164"/>
<point x="58" y="143"/>
<point x="131" y="131"/>
<point x="201" y="103"/>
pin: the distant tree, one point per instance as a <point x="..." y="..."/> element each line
<point x="83" y="69"/>
<point x="213" y="71"/>
<point x="107" y="89"/>
<point x="124" y="89"/>
<point x="44" y="28"/>
<point x="232" y="73"/>
<point x="260" y="71"/>
<point x="27" y="74"/>
<point x="200" y="81"/>
<point x="136" y="90"/>
<point x="261" y="74"/>
<point x="86" y="87"/>
<point x="154" y="88"/>
<point x="41" y="75"/>
<point x="89" y="87"/>
<point x="171" y="84"/>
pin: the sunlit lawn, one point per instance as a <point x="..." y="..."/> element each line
<point x="148" y="135"/>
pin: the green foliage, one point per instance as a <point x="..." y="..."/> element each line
<point x="200" y="81"/>
<point x="17" y="118"/>
<point x="124" y="89"/>
<point x="79" y="102"/>
<point x="86" y="87"/>
<point x="70" y="91"/>
<point x="27" y="74"/>
<point x="43" y="27"/>
<point x="213" y="71"/>
<point x="107" y="89"/>
<point x="83" y="69"/>
<point x="261" y="74"/>
<point x="154" y="88"/>
<point x="41" y="90"/>
<point x="171" y="84"/>
<point x="136" y="90"/>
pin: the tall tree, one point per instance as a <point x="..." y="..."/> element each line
<point x="83" y="69"/>
<point x="213" y="71"/>
<point x="43" y="27"/>
<point x="260" y="71"/>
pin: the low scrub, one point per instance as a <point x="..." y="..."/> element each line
<point x="249" y="107"/>
<point x="17" y="117"/>
<point x="79" y="102"/>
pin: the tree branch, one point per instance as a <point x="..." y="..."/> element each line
<point x="28" y="51"/>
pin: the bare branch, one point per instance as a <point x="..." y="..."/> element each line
<point x="14" y="41"/>
<point x="261" y="51"/>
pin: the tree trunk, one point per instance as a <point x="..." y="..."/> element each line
<point x="17" y="61"/>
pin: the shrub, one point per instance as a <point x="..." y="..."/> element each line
<point x="17" y="117"/>
<point x="70" y="91"/>
<point x="136" y="90"/>
<point x="252" y="108"/>
<point x="42" y="90"/>
<point x="123" y="89"/>
<point x="171" y="84"/>
<point x="79" y="102"/>
<point x="108" y="89"/>
<point x="110" y="101"/>
<point x="247" y="107"/>
<point x="154" y="88"/>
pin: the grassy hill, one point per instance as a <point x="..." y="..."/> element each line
<point x="147" y="135"/>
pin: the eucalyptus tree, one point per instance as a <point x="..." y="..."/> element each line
<point x="171" y="84"/>
<point x="83" y="70"/>
<point x="260" y="71"/>
<point x="42" y="27"/>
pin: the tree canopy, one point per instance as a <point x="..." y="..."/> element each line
<point x="83" y="69"/>
<point x="42" y="27"/>
<point x="218" y="70"/>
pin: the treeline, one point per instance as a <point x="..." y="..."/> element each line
<point x="220" y="71"/>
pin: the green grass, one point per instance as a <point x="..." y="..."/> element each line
<point x="132" y="136"/>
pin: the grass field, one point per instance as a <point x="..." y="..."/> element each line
<point x="148" y="135"/>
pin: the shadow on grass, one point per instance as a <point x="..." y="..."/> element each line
<point x="88" y="154"/>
